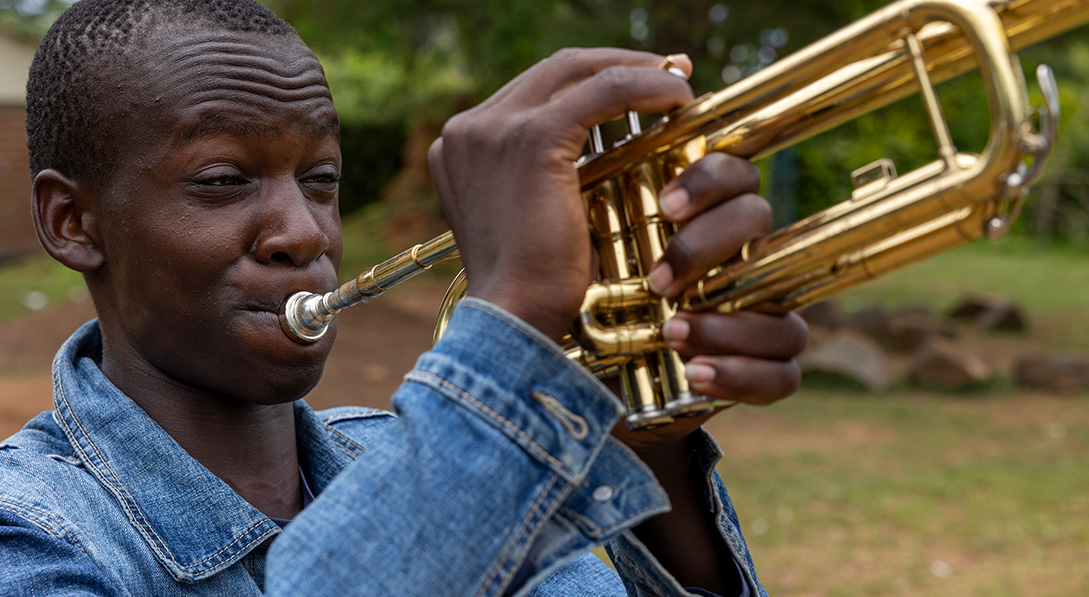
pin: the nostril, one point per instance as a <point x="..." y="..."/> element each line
<point x="281" y="257"/>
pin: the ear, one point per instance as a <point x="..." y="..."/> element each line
<point x="64" y="219"/>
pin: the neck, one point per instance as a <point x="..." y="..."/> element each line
<point x="251" y="447"/>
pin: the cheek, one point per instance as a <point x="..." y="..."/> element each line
<point x="175" y="274"/>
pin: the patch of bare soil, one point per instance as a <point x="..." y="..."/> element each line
<point x="376" y="345"/>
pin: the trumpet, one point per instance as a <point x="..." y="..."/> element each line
<point x="889" y="221"/>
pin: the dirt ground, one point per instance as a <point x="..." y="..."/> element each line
<point x="376" y="345"/>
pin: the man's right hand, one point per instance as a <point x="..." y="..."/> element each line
<point x="506" y="176"/>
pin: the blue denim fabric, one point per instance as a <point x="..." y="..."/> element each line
<point x="482" y="485"/>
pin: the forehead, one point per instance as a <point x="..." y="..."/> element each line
<point x="195" y="82"/>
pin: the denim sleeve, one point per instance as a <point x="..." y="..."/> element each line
<point x="39" y="559"/>
<point x="498" y="471"/>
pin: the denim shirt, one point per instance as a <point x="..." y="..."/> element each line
<point x="495" y="477"/>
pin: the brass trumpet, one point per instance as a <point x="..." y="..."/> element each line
<point x="888" y="222"/>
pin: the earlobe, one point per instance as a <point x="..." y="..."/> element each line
<point x="64" y="219"/>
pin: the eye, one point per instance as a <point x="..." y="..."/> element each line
<point x="219" y="176"/>
<point x="218" y="182"/>
<point x="222" y="181"/>
<point x="322" y="180"/>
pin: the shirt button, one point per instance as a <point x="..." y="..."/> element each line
<point x="603" y="493"/>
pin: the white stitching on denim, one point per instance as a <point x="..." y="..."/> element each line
<point x="368" y="413"/>
<point x="121" y="486"/>
<point x="346" y="439"/>
<point x="41" y="524"/>
<point x="574" y="424"/>
<point x="257" y="539"/>
<point x="147" y="523"/>
<point x="514" y="538"/>
<point x="36" y="522"/>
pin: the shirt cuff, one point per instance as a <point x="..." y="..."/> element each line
<point x="640" y="570"/>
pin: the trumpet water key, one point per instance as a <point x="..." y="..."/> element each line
<point x="889" y="221"/>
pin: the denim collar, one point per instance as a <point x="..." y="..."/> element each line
<point x="193" y="522"/>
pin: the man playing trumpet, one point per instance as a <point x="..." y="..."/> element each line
<point x="185" y="158"/>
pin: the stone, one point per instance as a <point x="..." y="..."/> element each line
<point x="942" y="363"/>
<point x="903" y="331"/>
<point x="873" y="321"/>
<point x="989" y="314"/>
<point x="971" y="306"/>
<point x="851" y="354"/>
<point x="909" y="330"/>
<point x="1059" y="373"/>
<point x="1006" y="316"/>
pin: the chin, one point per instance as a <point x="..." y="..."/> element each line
<point x="279" y="384"/>
<point x="280" y="371"/>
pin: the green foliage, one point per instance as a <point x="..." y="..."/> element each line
<point x="30" y="18"/>
<point x="371" y="159"/>
<point x="36" y="282"/>
<point x="420" y="61"/>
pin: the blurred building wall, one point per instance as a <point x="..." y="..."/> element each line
<point x="16" y="227"/>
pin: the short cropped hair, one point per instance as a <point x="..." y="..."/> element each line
<point x="71" y="96"/>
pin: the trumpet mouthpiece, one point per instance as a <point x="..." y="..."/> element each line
<point x="304" y="317"/>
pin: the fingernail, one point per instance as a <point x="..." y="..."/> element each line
<point x="676" y="330"/>
<point x="674" y="58"/>
<point x="660" y="278"/>
<point x="673" y="202"/>
<point x="699" y="372"/>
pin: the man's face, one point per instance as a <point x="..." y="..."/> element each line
<point x="224" y="205"/>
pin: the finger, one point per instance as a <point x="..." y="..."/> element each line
<point x="709" y="240"/>
<point x="751" y="334"/>
<point x="614" y="90"/>
<point x="551" y="76"/>
<point x="715" y="178"/>
<point x="744" y="379"/>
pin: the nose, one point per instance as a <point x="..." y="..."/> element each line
<point x="291" y="228"/>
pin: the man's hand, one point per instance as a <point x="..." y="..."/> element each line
<point x="506" y="176"/>
<point x="738" y="357"/>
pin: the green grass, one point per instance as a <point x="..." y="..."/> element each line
<point x="36" y="282"/>
<point x="913" y="494"/>
<point x="984" y="493"/>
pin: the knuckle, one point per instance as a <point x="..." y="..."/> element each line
<point x="434" y="152"/>
<point x="454" y="128"/>
<point x="529" y="127"/>
<point x="737" y="380"/>
<point x="564" y="55"/>
<point x="613" y="80"/>
<point x="473" y="132"/>
<point x="679" y="253"/>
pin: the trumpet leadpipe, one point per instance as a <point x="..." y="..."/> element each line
<point x="306" y="316"/>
